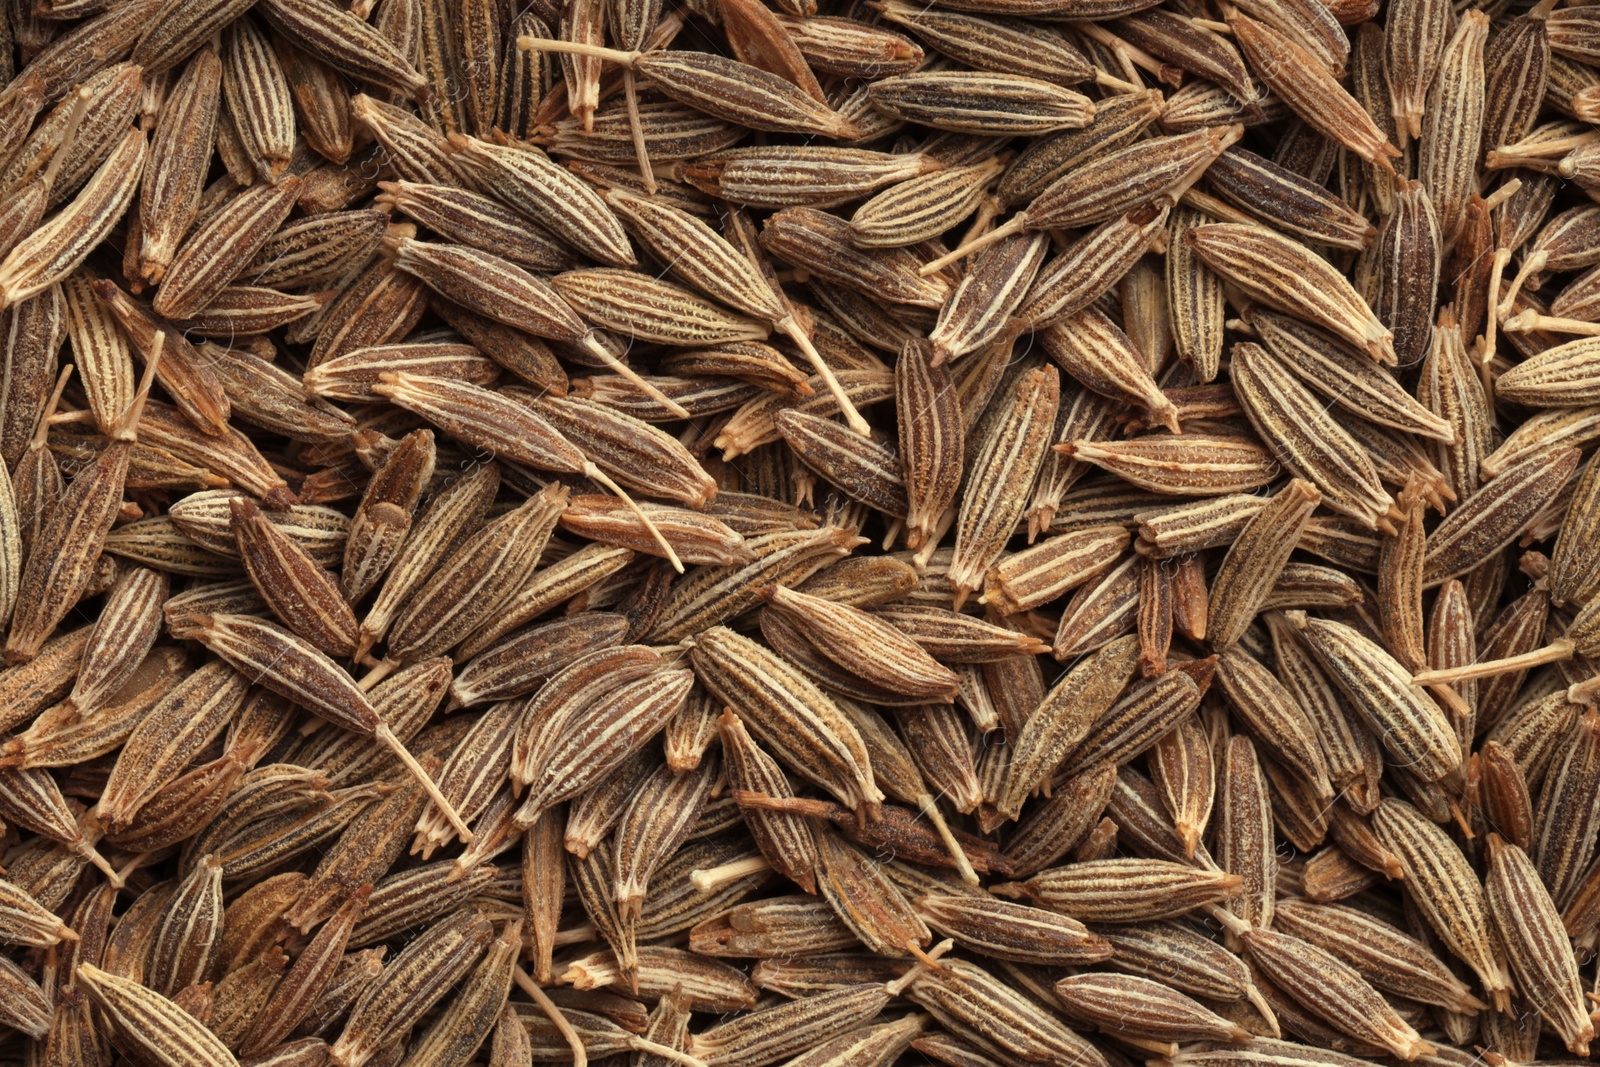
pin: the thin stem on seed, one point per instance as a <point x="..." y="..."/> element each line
<point x="711" y="877"/>
<point x="1532" y="265"/>
<point x="594" y="473"/>
<point x="1497" y="270"/>
<point x="592" y="345"/>
<point x="380" y="670"/>
<point x="1016" y="224"/>
<point x="387" y="735"/>
<point x="1555" y="652"/>
<point x="575" y="48"/>
<point x="525" y="982"/>
<point x="930" y="808"/>
<point x="1530" y="319"/>
<point x="630" y="88"/>
<point x="58" y="159"/>
<point x="791" y="329"/>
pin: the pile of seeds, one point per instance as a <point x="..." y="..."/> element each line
<point x="1007" y="532"/>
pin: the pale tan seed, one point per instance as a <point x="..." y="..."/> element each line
<point x="1284" y="274"/>
<point x="970" y="1001"/>
<point x="1333" y="990"/>
<point x="1254" y="561"/>
<point x="1311" y="90"/>
<point x="1445" y="891"/>
<point x="152" y="1023"/>
<point x="1453" y="135"/>
<point x="1312" y="442"/>
<point x="1001" y="471"/>
<point x="1405" y="718"/>
<point x="1021" y="581"/>
<point x="1187" y="464"/>
<point x="932" y="444"/>
<point x="1536" y="945"/>
<point x="1143" y="1009"/>
<point x="1495" y="515"/>
<point x="1344" y="377"/>
<point x="222" y="245"/>
<point x="59" y="246"/>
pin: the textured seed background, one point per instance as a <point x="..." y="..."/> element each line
<point x="820" y="533"/>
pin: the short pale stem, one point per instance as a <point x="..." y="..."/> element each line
<point x="92" y="854"/>
<point x="593" y="346"/>
<point x="41" y="435"/>
<point x="1502" y="194"/>
<point x="666" y="30"/>
<point x="1163" y="1049"/>
<point x="1217" y="209"/>
<point x="1234" y="924"/>
<point x="574" y="48"/>
<point x="1554" y="652"/>
<point x="429" y="786"/>
<point x="1497" y="270"/>
<point x="987" y="212"/>
<point x="1584" y="692"/>
<point x="380" y="670"/>
<point x="1532" y="320"/>
<point x="630" y="88"/>
<point x="666" y="1052"/>
<point x="1532" y="265"/>
<point x="1253" y="994"/>
<point x="594" y="473"/>
<point x="1460" y="817"/>
<point x="1526" y="151"/>
<point x="1452" y="701"/>
<point x="926" y="961"/>
<point x="931" y="545"/>
<point x="577" y="935"/>
<point x="709" y="878"/>
<point x="143" y="859"/>
<point x="80" y="104"/>
<point x="1111" y="81"/>
<point x="126" y="428"/>
<point x="791" y="329"/>
<point x="1520" y="323"/>
<point x="580" y="1055"/>
<point x="930" y="808"/>
<point x="1127" y="52"/>
<point x="1016" y="224"/>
